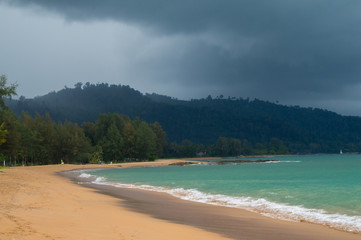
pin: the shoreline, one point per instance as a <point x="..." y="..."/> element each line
<point x="230" y="222"/>
<point x="207" y="219"/>
<point x="152" y="201"/>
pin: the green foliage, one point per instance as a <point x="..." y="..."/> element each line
<point x="202" y="121"/>
<point x="161" y="138"/>
<point x="6" y="91"/>
<point x="129" y="141"/>
<point x="3" y="133"/>
<point x="97" y="156"/>
<point x="227" y="147"/>
<point x="71" y="143"/>
<point x="204" y="127"/>
<point x="11" y="124"/>
<point x="122" y="138"/>
<point x="2" y="159"/>
<point x="112" y="144"/>
<point x="40" y="140"/>
<point x="145" y="142"/>
<point x="112" y="138"/>
<point x="186" y="149"/>
<point x="276" y="146"/>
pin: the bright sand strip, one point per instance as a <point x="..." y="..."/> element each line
<point x="35" y="203"/>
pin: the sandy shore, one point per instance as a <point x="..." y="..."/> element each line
<point x="37" y="203"/>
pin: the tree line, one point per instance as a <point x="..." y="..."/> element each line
<point x="112" y="138"/>
<point x="204" y="121"/>
<point x="32" y="139"/>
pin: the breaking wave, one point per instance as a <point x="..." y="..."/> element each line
<point x="283" y="162"/>
<point x="262" y="206"/>
<point x="85" y="175"/>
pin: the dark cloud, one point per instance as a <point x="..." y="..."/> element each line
<point x="277" y="50"/>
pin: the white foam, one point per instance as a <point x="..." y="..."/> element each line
<point x="262" y="206"/>
<point x="85" y="175"/>
<point x="99" y="180"/>
<point x="282" y="162"/>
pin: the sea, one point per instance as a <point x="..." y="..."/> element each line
<point x="322" y="189"/>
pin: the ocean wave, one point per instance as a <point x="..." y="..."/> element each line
<point x="262" y="206"/>
<point x="99" y="180"/>
<point x="282" y="161"/>
<point x="85" y="175"/>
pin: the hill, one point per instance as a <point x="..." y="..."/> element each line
<point x="204" y="121"/>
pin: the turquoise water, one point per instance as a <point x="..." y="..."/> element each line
<point x="324" y="189"/>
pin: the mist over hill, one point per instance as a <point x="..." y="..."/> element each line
<point x="204" y="121"/>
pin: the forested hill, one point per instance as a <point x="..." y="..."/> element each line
<point x="204" y="120"/>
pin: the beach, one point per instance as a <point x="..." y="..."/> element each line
<point x="39" y="203"/>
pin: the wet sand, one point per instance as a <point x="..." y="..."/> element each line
<point x="229" y="222"/>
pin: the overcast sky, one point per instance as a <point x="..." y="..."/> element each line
<point x="304" y="52"/>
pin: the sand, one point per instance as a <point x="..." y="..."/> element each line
<point x="37" y="203"/>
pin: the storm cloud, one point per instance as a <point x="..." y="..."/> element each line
<point x="297" y="52"/>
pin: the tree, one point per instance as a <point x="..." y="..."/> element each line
<point x="11" y="125"/>
<point x="187" y="149"/>
<point x="78" y="85"/>
<point x="3" y="133"/>
<point x="89" y="131"/>
<point x="71" y="143"/>
<point x="112" y="144"/>
<point x="97" y="156"/>
<point x="129" y="140"/>
<point x="145" y="142"/>
<point x="6" y="91"/>
<point x="276" y="146"/>
<point x="30" y="139"/>
<point x="161" y="141"/>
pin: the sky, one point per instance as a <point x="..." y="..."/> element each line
<point x="299" y="52"/>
